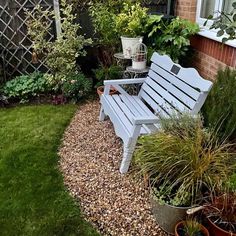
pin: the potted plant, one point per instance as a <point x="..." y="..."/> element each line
<point x="221" y="214"/>
<point x="106" y="73"/>
<point x="183" y="161"/>
<point x="190" y="227"/>
<point x="130" y="25"/>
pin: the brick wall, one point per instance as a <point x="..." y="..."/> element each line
<point x="210" y="55"/>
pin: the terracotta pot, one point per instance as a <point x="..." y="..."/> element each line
<point x="217" y="231"/>
<point x="100" y="90"/>
<point x="180" y="224"/>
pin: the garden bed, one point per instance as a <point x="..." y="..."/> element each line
<point x="90" y="157"/>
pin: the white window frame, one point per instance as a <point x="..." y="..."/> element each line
<point x="205" y="31"/>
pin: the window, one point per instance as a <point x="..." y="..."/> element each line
<point x="212" y="7"/>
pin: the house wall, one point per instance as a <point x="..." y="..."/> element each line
<point x="210" y="55"/>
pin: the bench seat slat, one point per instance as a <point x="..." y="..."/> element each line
<point x="122" y="117"/>
<point x="141" y="106"/>
<point x="159" y="110"/>
<point x="129" y="103"/>
<point x="127" y="112"/>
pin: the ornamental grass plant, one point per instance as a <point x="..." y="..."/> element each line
<point x="183" y="160"/>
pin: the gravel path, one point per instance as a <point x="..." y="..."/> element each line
<point x="90" y="159"/>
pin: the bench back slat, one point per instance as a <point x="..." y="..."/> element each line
<point x="171" y="86"/>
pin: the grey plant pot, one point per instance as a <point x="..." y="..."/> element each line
<point x="166" y="215"/>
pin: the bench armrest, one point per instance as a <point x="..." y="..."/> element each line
<point x="124" y="81"/>
<point x="145" y="120"/>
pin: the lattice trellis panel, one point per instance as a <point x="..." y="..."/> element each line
<point x="15" y="45"/>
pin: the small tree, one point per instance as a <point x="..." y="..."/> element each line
<point x="60" y="55"/>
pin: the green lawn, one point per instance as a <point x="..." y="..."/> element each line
<point x="33" y="199"/>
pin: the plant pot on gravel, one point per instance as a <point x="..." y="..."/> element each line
<point x="182" y="161"/>
<point x="190" y="228"/>
<point x="221" y="214"/>
<point x="167" y="215"/>
<point x="216" y="230"/>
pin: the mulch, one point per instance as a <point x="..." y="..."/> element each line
<point x="91" y="154"/>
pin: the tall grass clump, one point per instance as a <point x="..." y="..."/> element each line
<point x="183" y="160"/>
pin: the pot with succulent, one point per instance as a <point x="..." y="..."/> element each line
<point x="190" y="227"/>
<point x="182" y="161"/>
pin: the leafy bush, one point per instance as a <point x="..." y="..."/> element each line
<point x="219" y="110"/>
<point x="26" y="86"/>
<point x="106" y="73"/>
<point x="103" y="18"/>
<point x="173" y="38"/>
<point x="76" y="86"/>
<point x="60" y="55"/>
<point x="132" y="19"/>
<point x="183" y="159"/>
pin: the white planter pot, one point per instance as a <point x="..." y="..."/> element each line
<point x="129" y="44"/>
<point x="139" y="65"/>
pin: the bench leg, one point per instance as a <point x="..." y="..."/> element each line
<point x="129" y="150"/>
<point x="102" y="114"/>
<point x="127" y="156"/>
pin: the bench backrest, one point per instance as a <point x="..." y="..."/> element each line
<point x="170" y="87"/>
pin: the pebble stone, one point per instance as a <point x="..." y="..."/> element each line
<point x="90" y="157"/>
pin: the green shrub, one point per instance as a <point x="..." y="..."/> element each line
<point x="219" y="110"/>
<point x="76" y="86"/>
<point x="182" y="160"/>
<point x="132" y="19"/>
<point x="103" y="18"/>
<point x="26" y="86"/>
<point x="173" y="38"/>
<point x="107" y="73"/>
<point x="60" y="55"/>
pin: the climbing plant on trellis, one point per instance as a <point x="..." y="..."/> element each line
<point x="15" y="44"/>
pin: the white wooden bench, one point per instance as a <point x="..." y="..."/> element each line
<point x="167" y="89"/>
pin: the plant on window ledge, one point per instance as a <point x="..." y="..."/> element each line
<point x="225" y="23"/>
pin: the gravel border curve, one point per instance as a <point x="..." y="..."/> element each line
<point x="90" y="157"/>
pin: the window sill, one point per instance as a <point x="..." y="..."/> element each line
<point x="212" y="35"/>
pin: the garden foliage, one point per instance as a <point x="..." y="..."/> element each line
<point x="219" y="109"/>
<point x="76" y="86"/>
<point x="225" y="23"/>
<point x="24" y="87"/>
<point x="107" y="73"/>
<point x="182" y="160"/>
<point x="59" y="55"/>
<point x="173" y="38"/>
